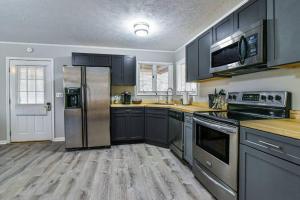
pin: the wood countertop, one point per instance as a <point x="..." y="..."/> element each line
<point x="188" y="108"/>
<point x="284" y="127"/>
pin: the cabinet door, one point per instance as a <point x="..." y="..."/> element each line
<point x="117" y="70"/>
<point x="136" y="126"/>
<point x="156" y="130"/>
<point x="223" y="29"/>
<point x="204" y="43"/>
<point x="118" y="127"/>
<point x="129" y="72"/>
<point x="81" y="59"/>
<point x="188" y="143"/>
<point x="266" y="177"/>
<point x="283" y="26"/>
<point x="192" y="61"/>
<point x="101" y="60"/>
<point x="250" y="13"/>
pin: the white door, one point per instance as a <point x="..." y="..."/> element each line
<point x="30" y="100"/>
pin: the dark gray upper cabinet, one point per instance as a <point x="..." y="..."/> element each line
<point x="250" y="13"/>
<point x="86" y="59"/>
<point x="198" y="58"/>
<point x="192" y="61"/>
<point x="223" y="29"/>
<point x="117" y="70"/>
<point x="283" y="29"/>
<point x="129" y="70"/>
<point x="204" y="43"/>
<point x="123" y="70"/>
<point x="156" y="126"/>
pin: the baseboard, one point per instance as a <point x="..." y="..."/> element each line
<point x="3" y="142"/>
<point x="59" y="139"/>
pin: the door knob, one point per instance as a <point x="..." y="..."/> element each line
<point x="48" y="106"/>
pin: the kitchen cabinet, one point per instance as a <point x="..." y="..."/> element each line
<point x="123" y="70"/>
<point x="204" y="43"/>
<point x="127" y="124"/>
<point x="283" y="24"/>
<point x="269" y="166"/>
<point x="198" y="58"/>
<point x="188" y="138"/>
<point x="192" y="61"/>
<point x="94" y="60"/>
<point x="223" y="29"/>
<point x="156" y="126"/>
<point x="250" y="13"/>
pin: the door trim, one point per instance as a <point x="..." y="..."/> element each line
<point x="8" y="110"/>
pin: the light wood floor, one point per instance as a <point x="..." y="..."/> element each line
<point x="45" y="170"/>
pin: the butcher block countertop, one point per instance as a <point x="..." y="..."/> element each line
<point x="202" y="107"/>
<point x="284" y="127"/>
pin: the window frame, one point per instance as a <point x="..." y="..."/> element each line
<point x="154" y="78"/>
<point x="191" y="93"/>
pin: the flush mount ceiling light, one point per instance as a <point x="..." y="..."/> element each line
<point x="141" y="29"/>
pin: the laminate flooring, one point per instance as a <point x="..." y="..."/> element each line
<point x="44" y="170"/>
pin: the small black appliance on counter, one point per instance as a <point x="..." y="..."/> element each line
<point x="126" y="97"/>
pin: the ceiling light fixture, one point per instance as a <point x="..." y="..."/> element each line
<point x="141" y="29"/>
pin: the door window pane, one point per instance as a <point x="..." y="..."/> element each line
<point x="31" y="85"/>
<point x="146" y="74"/>
<point x="162" y="77"/>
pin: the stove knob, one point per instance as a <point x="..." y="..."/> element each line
<point x="263" y="97"/>
<point x="270" y="98"/>
<point x="278" y="98"/>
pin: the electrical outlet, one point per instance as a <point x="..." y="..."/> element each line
<point x="59" y="95"/>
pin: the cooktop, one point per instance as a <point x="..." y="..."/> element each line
<point x="231" y="117"/>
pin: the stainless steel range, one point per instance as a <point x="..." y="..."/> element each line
<point x="216" y="138"/>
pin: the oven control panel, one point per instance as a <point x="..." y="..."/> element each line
<point x="275" y="99"/>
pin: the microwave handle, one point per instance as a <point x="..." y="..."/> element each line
<point x="242" y="48"/>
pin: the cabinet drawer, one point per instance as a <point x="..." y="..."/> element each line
<point x="280" y="146"/>
<point x="157" y="111"/>
<point x="127" y="110"/>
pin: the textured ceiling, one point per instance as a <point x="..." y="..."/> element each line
<point x="108" y="22"/>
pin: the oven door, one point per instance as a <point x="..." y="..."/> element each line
<point x="215" y="146"/>
<point x="243" y="48"/>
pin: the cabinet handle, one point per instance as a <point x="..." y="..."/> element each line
<point x="269" y="144"/>
<point x="208" y="163"/>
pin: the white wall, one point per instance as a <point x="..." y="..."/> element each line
<point x="62" y="56"/>
<point x="276" y="80"/>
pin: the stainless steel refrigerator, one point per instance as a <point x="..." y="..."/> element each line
<point x="87" y="106"/>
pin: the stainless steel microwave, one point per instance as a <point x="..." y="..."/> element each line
<point x="242" y="52"/>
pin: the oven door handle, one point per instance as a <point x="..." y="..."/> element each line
<point x="227" y="130"/>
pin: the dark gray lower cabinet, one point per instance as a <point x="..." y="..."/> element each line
<point x="266" y="170"/>
<point x="127" y="124"/>
<point x="156" y="126"/>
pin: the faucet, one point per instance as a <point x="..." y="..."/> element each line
<point x="168" y="94"/>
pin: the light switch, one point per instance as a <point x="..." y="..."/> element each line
<point x="59" y="95"/>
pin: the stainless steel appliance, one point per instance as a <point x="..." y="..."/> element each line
<point x="188" y="138"/>
<point x="176" y="132"/>
<point x="243" y="52"/>
<point x="216" y="137"/>
<point x="87" y="106"/>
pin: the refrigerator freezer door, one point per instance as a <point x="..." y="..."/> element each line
<point x="98" y="106"/>
<point x="73" y="117"/>
<point x="73" y="128"/>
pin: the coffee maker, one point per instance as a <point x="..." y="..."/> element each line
<point x="126" y="97"/>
